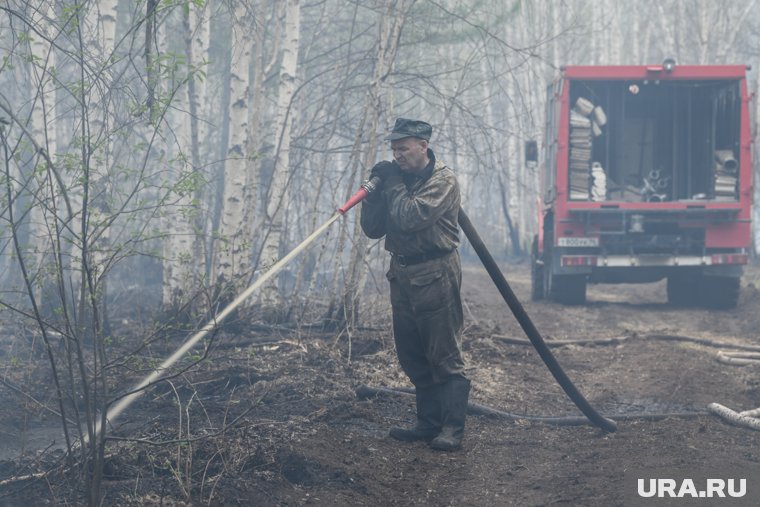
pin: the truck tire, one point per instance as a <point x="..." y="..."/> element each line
<point x="536" y="273"/>
<point x="683" y="290"/>
<point x="568" y="289"/>
<point x="719" y="292"/>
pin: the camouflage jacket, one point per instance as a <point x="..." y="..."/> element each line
<point x="419" y="216"/>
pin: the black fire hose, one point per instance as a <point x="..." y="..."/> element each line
<point x="527" y="324"/>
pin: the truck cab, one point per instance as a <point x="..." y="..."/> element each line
<point x="647" y="175"/>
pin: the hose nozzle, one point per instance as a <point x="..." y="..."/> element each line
<point x="367" y="188"/>
<point x="372" y="184"/>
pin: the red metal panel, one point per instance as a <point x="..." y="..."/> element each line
<point x="745" y="157"/>
<point x="729" y="235"/>
<point x="560" y="183"/>
<point x="640" y="72"/>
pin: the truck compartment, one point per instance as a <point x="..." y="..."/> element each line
<point x="654" y="140"/>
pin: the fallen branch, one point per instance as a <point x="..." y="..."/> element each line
<point x="35" y="475"/>
<point x="738" y="358"/>
<point x="20" y="478"/>
<point x="735" y="418"/>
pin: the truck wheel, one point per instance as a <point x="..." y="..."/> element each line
<point x="719" y="292"/>
<point x="569" y="289"/>
<point x="536" y="273"/>
<point x="682" y="290"/>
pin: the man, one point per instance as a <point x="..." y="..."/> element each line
<point x="416" y="210"/>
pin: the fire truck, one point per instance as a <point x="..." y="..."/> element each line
<point x="647" y="175"/>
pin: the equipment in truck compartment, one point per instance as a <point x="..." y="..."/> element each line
<point x="647" y="175"/>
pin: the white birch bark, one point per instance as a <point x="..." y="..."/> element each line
<point x="101" y="22"/>
<point x="183" y="255"/>
<point x="277" y="198"/>
<point x="88" y="232"/>
<point x="264" y="67"/>
<point x="201" y="119"/>
<point x="42" y="220"/>
<point x="199" y="40"/>
<point x="232" y="253"/>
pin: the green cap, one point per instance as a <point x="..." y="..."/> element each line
<point x="410" y="128"/>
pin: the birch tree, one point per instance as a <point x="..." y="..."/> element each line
<point x="233" y="249"/>
<point x="43" y="126"/>
<point x="184" y="259"/>
<point x="276" y="200"/>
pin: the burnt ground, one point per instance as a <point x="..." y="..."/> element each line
<point x="273" y="418"/>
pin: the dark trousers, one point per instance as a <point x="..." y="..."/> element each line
<point x="427" y="319"/>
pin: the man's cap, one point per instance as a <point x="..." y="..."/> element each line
<point x="410" y="128"/>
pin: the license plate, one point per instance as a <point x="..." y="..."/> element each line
<point x="578" y="241"/>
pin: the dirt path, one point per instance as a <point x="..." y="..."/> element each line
<point x="305" y="439"/>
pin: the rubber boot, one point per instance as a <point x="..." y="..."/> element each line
<point x="454" y="395"/>
<point x="428" y="418"/>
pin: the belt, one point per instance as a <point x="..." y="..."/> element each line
<point x="409" y="260"/>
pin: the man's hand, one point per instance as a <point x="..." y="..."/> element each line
<point x="382" y="170"/>
<point x="393" y="178"/>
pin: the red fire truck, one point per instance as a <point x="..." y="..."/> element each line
<point x="647" y="174"/>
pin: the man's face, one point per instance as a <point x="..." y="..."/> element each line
<point x="410" y="153"/>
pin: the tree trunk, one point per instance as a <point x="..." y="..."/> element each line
<point x="233" y="249"/>
<point x="183" y="252"/>
<point x="514" y="234"/>
<point x="510" y="199"/>
<point x="277" y="199"/>
<point x="100" y="26"/>
<point x="265" y="63"/>
<point x="387" y="42"/>
<point x="43" y="126"/>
